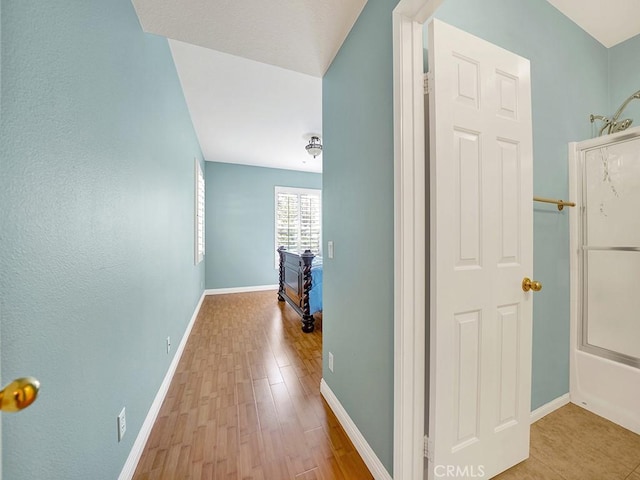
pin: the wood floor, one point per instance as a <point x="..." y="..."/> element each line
<point x="245" y="404"/>
<point x="245" y="401"/>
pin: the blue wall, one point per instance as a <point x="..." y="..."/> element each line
<point x="569" y="81"/>
<point x="624" y="78"/>
<point x="97" y="233"/>
<point x="357" y="125"/>
<point x="240" y="222"/>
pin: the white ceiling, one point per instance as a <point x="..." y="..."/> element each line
<point x="256" y="89"/>
<point x="249" y="112"/>
<point x="244" y="111"/>
<point x="608" y="21"/>
<point x="300" y="35"/>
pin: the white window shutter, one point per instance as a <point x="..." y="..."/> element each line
<point x="298" y="219"/>
<point x="199" y="213"/>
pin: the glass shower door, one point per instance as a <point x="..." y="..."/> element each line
<point x="611" y="252"/>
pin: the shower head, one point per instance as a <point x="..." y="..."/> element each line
<point x="620" y="126"/>
<point x="612" y="125"/>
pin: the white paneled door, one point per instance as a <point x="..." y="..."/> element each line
<point x="481" y="249"/>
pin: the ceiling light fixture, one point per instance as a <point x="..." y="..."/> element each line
<point x="314" y="147"/>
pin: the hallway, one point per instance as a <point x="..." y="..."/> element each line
<point x="245" y="401"/>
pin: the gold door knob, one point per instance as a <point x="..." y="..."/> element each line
<point x="528" y="284"/>
<point x="19" y="394"/>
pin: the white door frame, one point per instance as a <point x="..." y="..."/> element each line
<point x="409" y="237"/>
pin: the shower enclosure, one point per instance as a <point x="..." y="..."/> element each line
<point x="605" y="263"/>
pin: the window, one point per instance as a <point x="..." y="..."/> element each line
<point x="298" y="219"/>
<point x="199" y="213"/>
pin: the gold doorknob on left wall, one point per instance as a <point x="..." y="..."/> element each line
<point x="19" y="394"/>
<point x="528" y="284"/>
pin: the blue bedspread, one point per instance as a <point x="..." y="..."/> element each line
<point x="315" y="294"/>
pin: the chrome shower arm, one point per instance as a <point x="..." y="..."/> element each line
<point x="611" y="125"/>
<point x="624" y="105"/>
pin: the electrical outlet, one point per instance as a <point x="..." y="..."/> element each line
<point x="330" y="248"/>
<point x="122" y="424"/>
<point x="331" y="361"/>
<point x="168" y="344"/>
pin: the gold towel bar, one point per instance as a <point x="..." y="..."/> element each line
<point x="560" y="203"/>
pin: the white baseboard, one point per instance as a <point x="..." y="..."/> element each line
<point x="141" y="440"/>
<point x="364" y="449"/>
<point x="258" y="288"/>
<point x="547" y="408"/>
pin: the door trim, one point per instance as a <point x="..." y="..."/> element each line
<point x="409" y="237"/>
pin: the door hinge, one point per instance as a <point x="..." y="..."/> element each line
<point x="428" y="83"/>
<point x="428" y="448"/>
